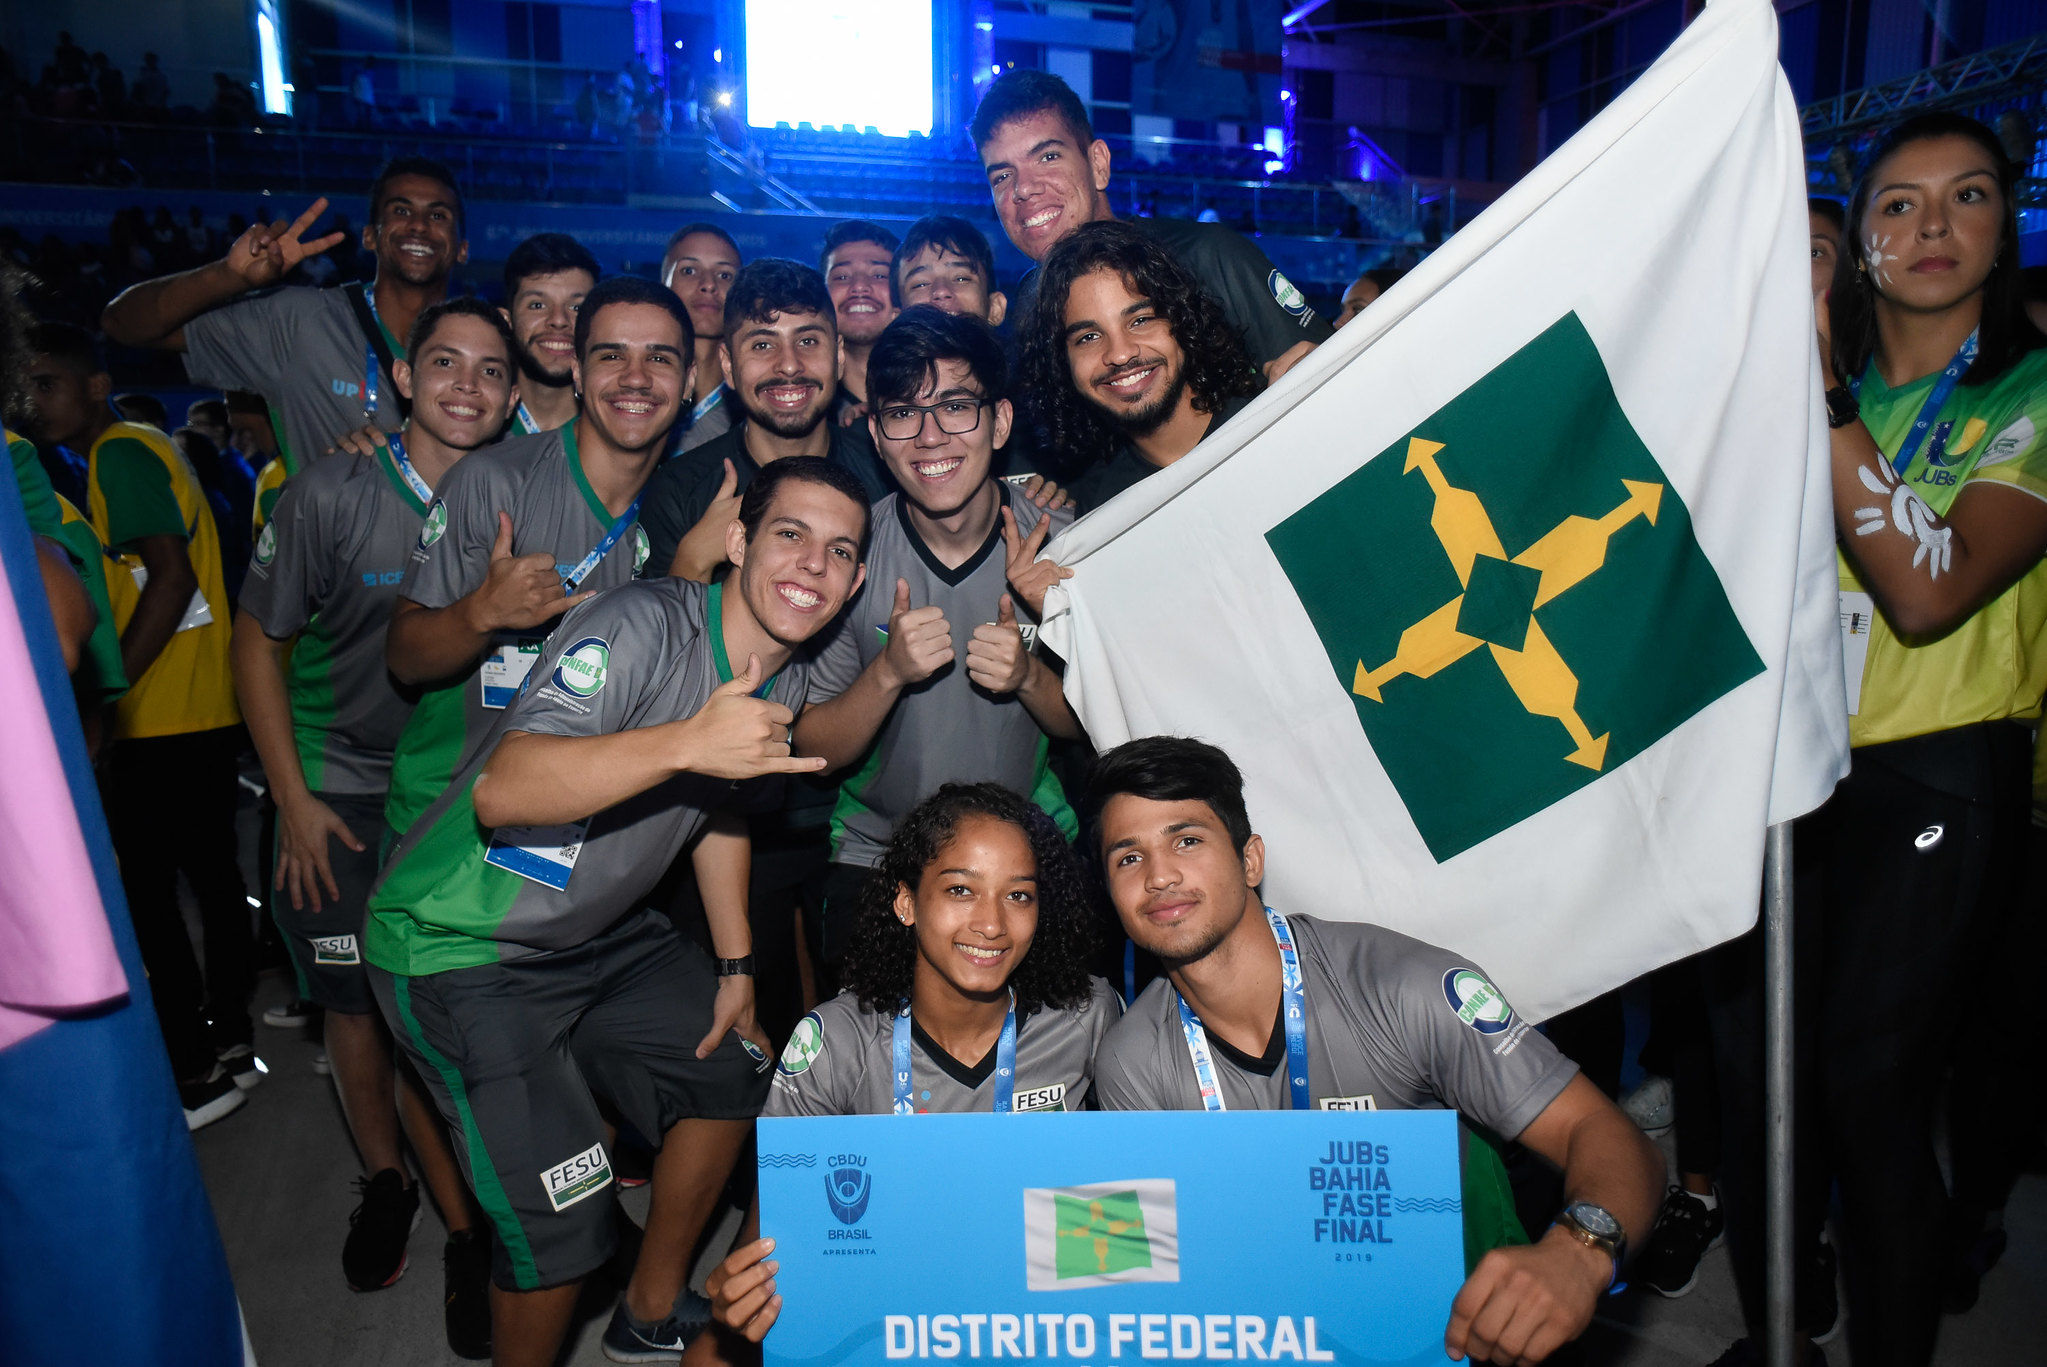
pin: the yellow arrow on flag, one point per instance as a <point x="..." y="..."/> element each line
<point x="1576" y="547"/>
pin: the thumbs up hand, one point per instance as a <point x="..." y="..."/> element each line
<point x="736" y="735"/>
<point x="919" y="641"/>
<point x="521" y="591"/>
<point x="996" y="658"/>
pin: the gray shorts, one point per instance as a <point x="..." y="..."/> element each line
<point x="516" y="1053"/>
<point x="326" y="945"/>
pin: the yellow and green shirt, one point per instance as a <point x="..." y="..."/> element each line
<point x="50" y="514"/>
<point x="1994" y="665"/>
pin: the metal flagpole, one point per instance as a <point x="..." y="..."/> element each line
<point x="1780" y="1286"/>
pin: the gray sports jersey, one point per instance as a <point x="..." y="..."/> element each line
<point x="639" y="656"/>
<point x="841" y="1061"/>
<point x="538" y="481"/>
<point x="1393" y="1025"/>
<point x="304" y="351"/>
<point x="326" y="569"/>
<point x="945" y="729"/>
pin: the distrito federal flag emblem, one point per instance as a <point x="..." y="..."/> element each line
<point x="1513" y="595"/>
<point x="1101" y="1234"/>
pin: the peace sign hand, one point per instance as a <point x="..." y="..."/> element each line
<point x="1028" y="575"/>
<point x="267" y="253"/>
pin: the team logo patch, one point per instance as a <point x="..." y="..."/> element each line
<point x="1101" y="1234"/>
<point x="1285" y="294"/>
<point x="436" y="524"/>
<point x="569" y="1181"/>
<point x="805" y="1044"/>
<point x="335" y="949"/>
<point x="1052" y="1098"/>
<point x="581" y="671"/>
<point x="641" y="549"/>
<point x="266" y="544"/>
<point x="2013" y="442"/>
<point x="1477" y="1002"/>
<point x="847" y="1188"/>
<point x="756" y="1053"/>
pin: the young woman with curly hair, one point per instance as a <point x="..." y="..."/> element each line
<point x="969" y="959"/>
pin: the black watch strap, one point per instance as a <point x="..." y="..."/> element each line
<point x="1842" y="406"/>
<point x="734" y="968"/>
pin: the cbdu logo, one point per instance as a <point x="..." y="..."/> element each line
<point x="848" y="1187"/>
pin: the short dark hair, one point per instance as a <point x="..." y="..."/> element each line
<point x="948" y="233"/>
<point x="1830" y="210"/>
<point x="1170" y="769"/>
<point x="1019" y="94"/>
<point x="692" y="229"/>
<point x="761" y="491"/>
<point x="881" y="960"/>
<point x="547" y="254"/>
<point x="69" y="343"/>
<point x="247" y="401"/>
<point x="1218" y="367"/>
<point x="212" y="410"/>
<point x="854" y="230"/>
<point x="413" y="166"/>
<point x="631" y="289"/>
<point x="906" y="355"/>
<point x="2005" y="334"/>
<point x="1385" y="277"/>
<point x="143" y="408"/>
<point x="775" y="285"/>
<point x="462" y="306"/>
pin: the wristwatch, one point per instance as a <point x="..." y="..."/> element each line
<point x="1842" y="406"/>
<point x="1595" y="1227"/>
<point x="743" y="967"/>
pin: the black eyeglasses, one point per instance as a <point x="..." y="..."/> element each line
<point x="956" y="418"/>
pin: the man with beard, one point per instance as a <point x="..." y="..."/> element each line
<point x="322" y="357"/>
<point x="1130" y="361"/>
<point x="781" y="358"/>
<point x="701" y="262"/>
<point x="858" y="262"/>
<point x="546" y="277"/>
<point x="524" y="530"/>
<point x="934" y="679"/>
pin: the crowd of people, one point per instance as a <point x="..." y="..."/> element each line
<point x="646" y="683"/>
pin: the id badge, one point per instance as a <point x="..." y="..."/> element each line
<point x="198" y="612"/>
<point x="505" y="669"/>
<point x="1858" y="619"/>
<point x="544" y="854"/>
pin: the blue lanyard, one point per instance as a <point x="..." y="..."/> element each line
<point x="369" y="358"/>
<point x="421" y="490"/>
<point x="1005" y="1062"/>
<point x="706" y="404"/>
<point x="1294" y="1017"/>
<point x="527" y="427"/>
<point x="1943" y="388"/>
<point x="597" y="552"/>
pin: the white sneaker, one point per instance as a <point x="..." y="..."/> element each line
<point x="243" y="1066"/>
<point x="1651" y="1104"/>
<point x="288" y="1015"/>
<point x="321" y="1065"/>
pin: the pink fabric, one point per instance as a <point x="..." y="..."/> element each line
<point x="56" y="951"/>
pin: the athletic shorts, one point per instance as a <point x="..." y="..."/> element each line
<point x="513" y="1053"/>
<point x="326" y="945"/>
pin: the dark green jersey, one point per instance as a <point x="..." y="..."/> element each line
<point x="326" y="569"/>
<point x="538" y="482"/>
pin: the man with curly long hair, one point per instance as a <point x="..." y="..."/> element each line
<point x="1128" y="360"/>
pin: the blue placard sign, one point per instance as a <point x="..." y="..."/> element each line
<point x="1105" y="1239"/>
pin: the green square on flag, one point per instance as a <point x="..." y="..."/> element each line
<point x="1513" y="595"/>
<point x="1099" y="1236"/>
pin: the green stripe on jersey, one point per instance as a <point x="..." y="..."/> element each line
<point x="389" y="465"/>
<point x="596" y="504"/>
<point x="310" y="688"/>
<point x="428" y="749"/>
<point x="439" y="901"/>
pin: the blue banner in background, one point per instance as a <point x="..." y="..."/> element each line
<point x="1114" y="1237"/>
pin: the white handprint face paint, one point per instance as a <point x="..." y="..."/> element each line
<point x="1909" y="515"/>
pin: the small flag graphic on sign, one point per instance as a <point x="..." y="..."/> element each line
<point x="1101" y="1234"/>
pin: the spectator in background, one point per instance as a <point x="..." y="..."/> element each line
<point x="858" y="262"/>
<point x="143" y="408"/>
<point x="253" y="435"/>
<point x="71" y="60"/>
<point x="702" y="259"/>
<point x="1366" y="289"/>
<point x="200" y="243"/>
<point x="151" y="90"/>
<point x="362" y="94"/>
<point x="210" y="416"/>
<point x="112" y="85"/>
<point x="206" y="461"/>
<point x="1827" y="222"/>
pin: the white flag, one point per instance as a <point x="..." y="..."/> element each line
<point x="1516" y="601"/>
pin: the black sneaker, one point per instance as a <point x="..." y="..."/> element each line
<point x="374" y="1255"/>
<point x="465" y="1279"/>
<point x="629" y="1340"/>
<point x="243" y="1066"/>
<point x="1685" y="1232"/>
<point x="206" y="1099"/>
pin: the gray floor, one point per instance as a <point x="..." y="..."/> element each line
<point x="279" y="1172"/>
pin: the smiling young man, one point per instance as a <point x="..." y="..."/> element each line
<point x="322" y="357"/>
<point x="936" y="682"/>
<point x="858" y="264"/>
<point x="321" y="587"/>
<point x="701" y="263"/>
<point x="515" y="954"/>
<point x="528" y="528"/>
<point x="546" y="277"/>
<point x="1130" y="363"/>
<point x="781" y="360"/>
<point x="945" y="262"/>
<point x="1049" y="177"/>
<point x="1261" y="1010"/>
